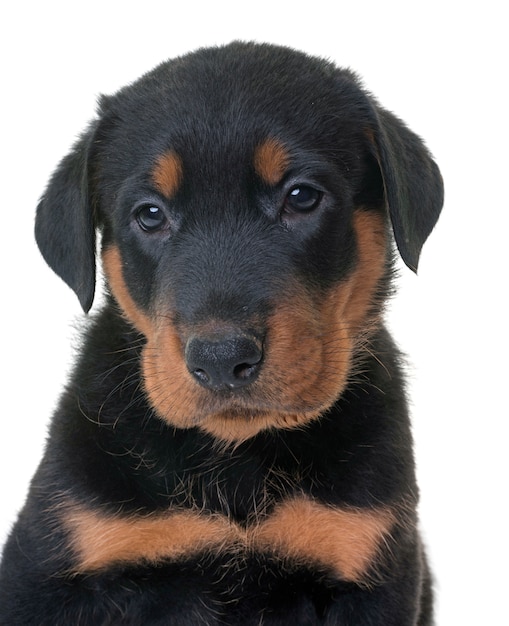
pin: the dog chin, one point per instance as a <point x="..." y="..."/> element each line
<point x="236" y="424"/>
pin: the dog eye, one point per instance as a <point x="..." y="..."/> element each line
<point x="150" y="218"/>
<point x="302" y="199"/>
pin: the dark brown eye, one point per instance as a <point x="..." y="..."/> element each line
<point x="150" y="218"/>
<point x="302" y="199"/>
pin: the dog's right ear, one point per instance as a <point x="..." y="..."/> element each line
<point x="65" y="222"/>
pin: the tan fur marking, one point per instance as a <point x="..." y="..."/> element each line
<point x="371" y="242"/>
<point x="172" y="392"/>
<point x="167" y="173"/>
<point x="347" y="541"/>
<point x="112" y="264"/>
<point x="100" y="541"/>
<point x="271" y="161"/>
<point x="343" y="541"/>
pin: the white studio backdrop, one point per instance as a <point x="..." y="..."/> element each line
<point x="441" y="67"/>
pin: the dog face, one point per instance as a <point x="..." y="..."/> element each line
<point x="246" y="197"/>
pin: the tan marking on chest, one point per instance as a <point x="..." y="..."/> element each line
<point x="301" y="531"/>
<point x="346" y="541"/>
<point x="100" y="541"/>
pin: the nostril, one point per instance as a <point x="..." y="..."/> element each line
<point x="246" y="365"/>
<point x="201" y="376"/>
<point x="244" y="371"/>
<point x="225" y="362"/>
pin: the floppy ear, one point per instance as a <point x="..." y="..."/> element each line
<point x="412" y="182"/>
<point x="65" y="225"/>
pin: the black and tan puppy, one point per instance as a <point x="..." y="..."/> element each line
<point x="233" y="446"/>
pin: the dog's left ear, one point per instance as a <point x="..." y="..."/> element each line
<point x="65" y="225"/>
<point x="412" y="183"/>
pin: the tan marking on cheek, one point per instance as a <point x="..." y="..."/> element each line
<point x="168" y="385"/>
<point x="112" y="264"/>
<point x="271" y="161"/>
<point x="173" y="393"/>
<point x="99" y="541"/>
<point x="372" y="249"/>
<point x="347" y="541"/>
<point x="167" y="173"/>
<point x="304" y="363"/>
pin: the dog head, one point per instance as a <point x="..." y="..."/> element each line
<point x="246" y="197"/>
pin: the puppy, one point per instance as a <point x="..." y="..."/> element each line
<point x="233" y="446"/>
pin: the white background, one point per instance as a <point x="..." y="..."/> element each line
<point x="442" y="67"/>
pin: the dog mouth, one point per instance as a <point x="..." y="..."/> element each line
<point x="247" y="407"/>
<point x="232" y="421"/>
<point x="268" y="400"/>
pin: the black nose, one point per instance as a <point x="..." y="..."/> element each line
<point x="224" y="363"/>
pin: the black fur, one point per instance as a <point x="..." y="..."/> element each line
<point x="228" y="249"/>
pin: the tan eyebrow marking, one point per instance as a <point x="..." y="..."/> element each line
<point x="271" y="160"/>
<point x="167" y="173"/>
